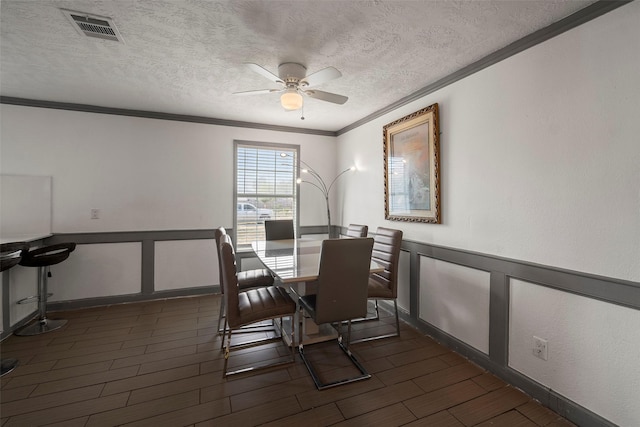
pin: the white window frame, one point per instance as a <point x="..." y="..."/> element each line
<point x="241" y="197"/>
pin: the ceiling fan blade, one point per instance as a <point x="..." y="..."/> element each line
<point x="326" y="96"/>
<point x="264" y="72"/>
<point x="321" y="76"/>
<point x="258" y="92"/>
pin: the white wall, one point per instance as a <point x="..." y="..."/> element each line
<point x="593" y="352"/>
<point x="455" y="299"/>
<point x="143" y="174"/>
<point x="99" y="270"/>
<point x="540" y="162"/>
<point x="185" y="264"/>
<point x="539" y="155"/>
<point x="25" y="206"/>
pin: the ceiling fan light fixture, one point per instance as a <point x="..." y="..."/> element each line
<point x="291" y="100"/>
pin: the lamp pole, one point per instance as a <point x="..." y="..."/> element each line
<point x="320" y="185"/>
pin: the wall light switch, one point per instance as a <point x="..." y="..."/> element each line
<point x="95" y="213"/>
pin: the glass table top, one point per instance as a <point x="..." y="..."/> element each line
<point x="294" y="260"/>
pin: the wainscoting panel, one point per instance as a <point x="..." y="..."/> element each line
<point x="583" y="336"/>
<point x="455" y="299"/>
<point x="97" y="270"/>
<point x="181" y="264"/>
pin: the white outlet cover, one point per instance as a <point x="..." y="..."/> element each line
<point x="540" y="348"/>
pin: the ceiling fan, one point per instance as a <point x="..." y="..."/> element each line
<point x="294" y="81"/>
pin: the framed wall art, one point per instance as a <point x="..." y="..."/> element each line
<point x="412" y="167"/>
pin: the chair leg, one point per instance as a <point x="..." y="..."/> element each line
<point x="224" y="334"/>
<point x="395" y="306"/>
<point x="348" y="333"/>
<point x="221" y="316"/>
<point x="377" y="337"/>
<point x="316" y="379"/>
<point x="228" y="349"/>
<point x="367" y="318"/>
<point x="254" y="328"/>
<point x="293" y="334"/>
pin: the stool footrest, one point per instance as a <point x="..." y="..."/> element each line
<point x="32" y="298"/>
<point x="40" y="327"/>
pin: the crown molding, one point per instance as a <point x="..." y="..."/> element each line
<point x="590" y="12"/>
<point x="582" y="16"/>
<point x="156" y="115"/>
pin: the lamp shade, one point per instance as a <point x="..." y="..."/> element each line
<point x="291" y="100"/>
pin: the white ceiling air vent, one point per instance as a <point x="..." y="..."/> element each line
<point x="90" y="25"/>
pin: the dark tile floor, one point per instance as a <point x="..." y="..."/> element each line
<point x="159" y="364"/>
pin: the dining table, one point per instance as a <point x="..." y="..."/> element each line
<point x="296" y="263"/>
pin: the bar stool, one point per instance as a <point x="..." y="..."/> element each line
<point x="10" y="256"/>
<point x="43" y="258"/>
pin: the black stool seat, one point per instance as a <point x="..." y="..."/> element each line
<point x="47" y="255"/>
<point x="43" y="258"/>
<point x="10" y="256"/>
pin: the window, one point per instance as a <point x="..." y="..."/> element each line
<point x="265" y="188"/>
<point x="400" y="186"/>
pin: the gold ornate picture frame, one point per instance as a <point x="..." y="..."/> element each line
<point x="412" y="167"/>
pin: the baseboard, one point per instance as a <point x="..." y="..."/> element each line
<point x="551" y="399"/>
<point x="129" y="298"/>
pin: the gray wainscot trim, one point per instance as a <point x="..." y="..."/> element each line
<point x="147" y="240"/>
<point x="614" y="291"/>
<point x="610" y="290"/>
<point x="580" y="17"/>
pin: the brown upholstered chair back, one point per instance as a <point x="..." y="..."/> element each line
<point x="279" y="229"/>
<point x="386" y="251"/>
<point x="218" y="233"/>
<point x="229" y="279"/>
<point x="357" y="230"/>
<point x="342" y="280"/>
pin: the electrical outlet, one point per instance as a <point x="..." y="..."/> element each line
<point x="540" y="348"/>
<point x="95" y="213"/>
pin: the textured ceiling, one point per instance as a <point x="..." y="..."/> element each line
<point x="186" y="57"/>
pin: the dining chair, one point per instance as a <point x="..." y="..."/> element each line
<point x="341" y="296"/>
<point x="251" y="306"/>
<point x="384" y="285"/>
<point x="279" y="229"/>
<point x="357" y="230"/>
<point x="247" y="279"/>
